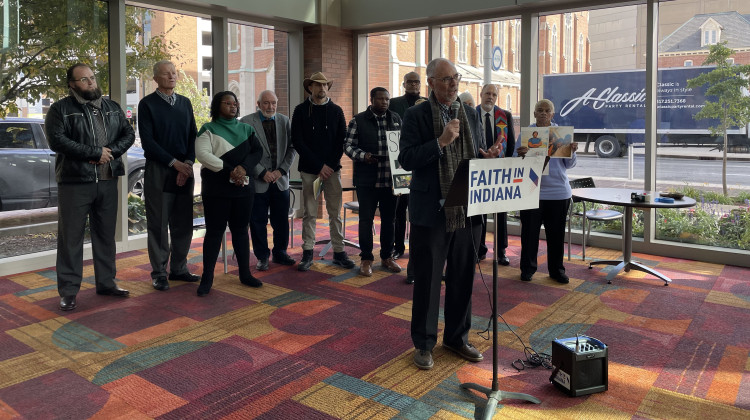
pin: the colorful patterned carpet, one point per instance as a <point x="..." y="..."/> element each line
<point x="328" y="344"/>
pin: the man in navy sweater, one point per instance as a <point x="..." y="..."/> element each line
<point x="167" y="128"/>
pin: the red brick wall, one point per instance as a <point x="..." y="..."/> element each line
<point x="379" y="63"/>
<point x="281" y="71"/>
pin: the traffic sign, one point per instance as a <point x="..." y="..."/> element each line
<point x="497" y="58"/>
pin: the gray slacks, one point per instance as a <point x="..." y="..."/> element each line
<point x="169" y="216"/>
<point x="96" y="201"/>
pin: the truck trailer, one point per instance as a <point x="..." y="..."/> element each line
<point x="608" y="110"/>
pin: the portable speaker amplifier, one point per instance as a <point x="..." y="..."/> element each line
<point x="580" y="365"/>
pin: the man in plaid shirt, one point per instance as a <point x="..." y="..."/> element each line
<point x="366" y="145"/>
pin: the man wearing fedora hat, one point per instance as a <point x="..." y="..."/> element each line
<point x="318" y="131"/>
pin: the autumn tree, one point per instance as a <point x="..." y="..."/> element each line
<point x="54" y="34"/>
<point x="727" y="85"/>
<point x="187" y="87"/>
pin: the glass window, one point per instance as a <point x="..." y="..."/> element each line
<point x="517" y="47"/>
<point x="501" y="28"/>
<point x="553" y="49"/>
<point x="690" y="159"/>
<point x="259" y="65"/>
<point x="581" y="56"/>
<point x="208" y="63"/>
<point x="392" y="56"/>
<point x="206" y="38"/>
<point x="233" y="34"/>
<point x="36" y="48"/>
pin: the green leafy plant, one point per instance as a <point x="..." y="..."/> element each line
<point x="136" y="214"/>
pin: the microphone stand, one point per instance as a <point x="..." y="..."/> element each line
<point x="494" y="395"/>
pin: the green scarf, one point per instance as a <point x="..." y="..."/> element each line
<point x="232" y="130"/>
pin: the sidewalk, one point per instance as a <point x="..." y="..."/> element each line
<point x="701" y="153"/>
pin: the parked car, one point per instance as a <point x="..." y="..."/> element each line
<point x="27" y="166"/>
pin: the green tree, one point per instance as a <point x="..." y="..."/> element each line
<point x="54" y="34"/>
<point x="187" y="87"/>
<point x="728" y="84"/>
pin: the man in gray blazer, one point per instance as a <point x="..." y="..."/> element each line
<point x="271" y="178"/>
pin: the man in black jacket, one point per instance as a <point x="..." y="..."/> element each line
<point x="89" y="134"/>
<point x="497" y="126"/>
<point x="367" y="145"/>
<point x="434" y="141"/>
<point x="318" y="129"/>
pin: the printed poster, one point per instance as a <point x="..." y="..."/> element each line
<point x="560" y="138"/>
<point x="503" y="185"/>
<point x="401" y="177"/>
<point x="536" y="139"/>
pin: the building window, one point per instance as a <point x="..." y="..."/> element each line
<point x="462" y="44"/>
<point x="688" y="63"/>
<point x="206" y="38"/>
<point x="568" y="43"/>
<point x="517" y="40"/>
<point x="264" y="38"/>
<point x="403" y="36"/>
<point x="580" y="52"/>
<point x="208" y="63"/>
<point x="553" y="49"/>
<point x="206" y="87"/>
<point x="711" y="32"/>
<point x="508" y="103"/>
<point x="480" y="55"/>
<point x="501" y="40"/>
<point x="233" y="32"/>
<point x="730" y="61"/>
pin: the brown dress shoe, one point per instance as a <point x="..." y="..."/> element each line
<point x="365" y="269"/>
<point x="391" y="265"/>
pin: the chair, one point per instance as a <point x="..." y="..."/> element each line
<point x="597" y="215"/>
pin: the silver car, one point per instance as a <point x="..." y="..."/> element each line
<point x="27" y="166"/>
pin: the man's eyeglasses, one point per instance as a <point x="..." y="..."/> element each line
<point x="447" y="79"/>
<point x="230" y="103"/>
<point x="412" y="82"/>
<point x="86" y="79"/>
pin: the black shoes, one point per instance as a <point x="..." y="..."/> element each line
<point x="262" y="264"/>
<point x="186" y="276"/>
<point x="161" y="283"/>
<point x="503" y="260"/>
<point x="67" y="303"/>
<point x="340" y="258"/>
<point x="423" y="359"/>
<point x="115" y="291"/>
<point x="561" y="278"/>
<point x="481" y="257"/>
<point x="525" y="277"/>
<point x="307" y="260"/>
<point x="283" y="259"/>
<point x="409" y="279"/>
<point x="467" y="351"/>
<point x="251" y="281"/>
<point x="398" y="254"/>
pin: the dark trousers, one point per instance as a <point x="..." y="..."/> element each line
<point x="168" y="216"/>
<point x="369" y="200"/>
<point x="552" y="214"/>
<point x="96" y="201"/>
<point x="429" y="249"/>
<point x="502" y="234"/>
<point x="399" y="222"/>
<point x="219" y="212"/>
<point x="278" y="202"/>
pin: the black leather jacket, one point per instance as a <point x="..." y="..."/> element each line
<point x="70" y="133"/>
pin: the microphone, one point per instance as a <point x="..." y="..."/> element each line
<point x="454" y="109"/>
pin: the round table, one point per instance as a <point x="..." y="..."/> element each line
<point x="621" y="197"/>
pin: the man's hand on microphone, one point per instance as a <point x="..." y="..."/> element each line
<point x="450" y="133"/>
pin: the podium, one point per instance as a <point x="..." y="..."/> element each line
<point x="458" y="195"/>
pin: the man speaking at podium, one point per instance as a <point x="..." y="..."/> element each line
<point x="436" y="136"/>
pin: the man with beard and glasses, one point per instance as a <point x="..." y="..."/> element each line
<point x="90" y="135"/>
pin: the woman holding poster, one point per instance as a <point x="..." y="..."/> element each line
<point x="554" y="199"/>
